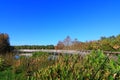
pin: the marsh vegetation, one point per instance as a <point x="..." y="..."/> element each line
<point x="93" y="66"/>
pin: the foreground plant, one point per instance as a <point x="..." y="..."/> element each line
<point x="93" y="66"/>
<point x="73" y="67"/>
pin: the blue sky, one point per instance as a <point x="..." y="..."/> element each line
<point x="43" y="22"/>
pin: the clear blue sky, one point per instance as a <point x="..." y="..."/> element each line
<point x="43" y="22"/>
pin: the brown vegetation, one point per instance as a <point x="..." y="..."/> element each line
<point x="4" y="43"/>
<point x="111" y="43"/>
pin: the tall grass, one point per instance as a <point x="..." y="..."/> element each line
<point x="93" y="66"/>
<point x="21" y="69"/>
<point x="75" y="67"/>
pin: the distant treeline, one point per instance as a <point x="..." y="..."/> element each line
<point x="111" y="43"/>
<point x="5" y="46"/>
<point x="34" y="47"/>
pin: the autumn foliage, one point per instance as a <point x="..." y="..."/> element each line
<point x="111" y="43"/>
<point x="4" y="43"/>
